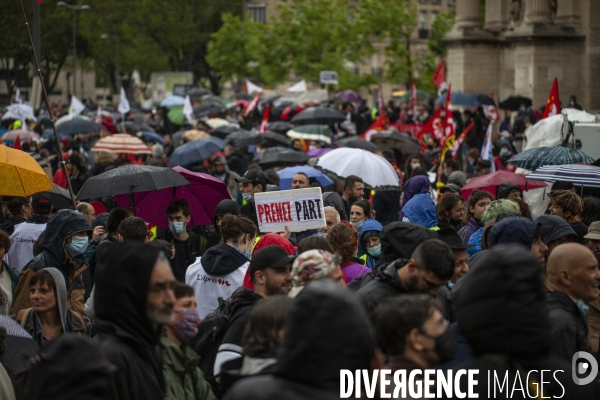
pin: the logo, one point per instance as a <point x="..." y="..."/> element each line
<point x="581" y="367"/>
<point x="208" y="279"/>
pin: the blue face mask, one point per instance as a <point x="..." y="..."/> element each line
<point x="177" y="227"/>
<point x="247" y="196"/>
<point x="77" y="246"/>
<point x="374" y="251"/>
<point x="583" y="307"/>
<point x="358" y="225"/>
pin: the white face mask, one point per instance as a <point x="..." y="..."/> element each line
<point x="405" y="219"/>
<point x="415" y="165"/>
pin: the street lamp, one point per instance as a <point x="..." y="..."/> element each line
<point x="74" y="8"/>
<point x="117" y="74"/>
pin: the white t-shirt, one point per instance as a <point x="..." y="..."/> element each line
<point x="22" y="240"/>
<point x="208" y="288"/>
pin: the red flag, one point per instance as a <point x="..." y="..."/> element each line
<point x="17" y="145"/>
<point x="252" y="106"/>
<point x="439" y="78"/>
<point x="448" y="119"/>
<point x="553" y="104"/>
<point x="376" y="127"/>
<point x="434" y="126"/>
<point x="40" y="1"/>
<point x="265" y="120"/>
<point x="460" y="139"/>
<point x="414" y="100"/>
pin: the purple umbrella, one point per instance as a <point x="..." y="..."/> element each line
<point x="317" y="152"/>
<point x="202" y="194"/>
<point x="349" y="95"/>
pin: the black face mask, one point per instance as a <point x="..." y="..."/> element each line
<point x="455" y="222"/>
<point x="445" y="346"/>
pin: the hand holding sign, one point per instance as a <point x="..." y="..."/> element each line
<point x="298" y="209"/>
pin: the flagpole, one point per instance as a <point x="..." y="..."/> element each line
<point x="39" y="70"/>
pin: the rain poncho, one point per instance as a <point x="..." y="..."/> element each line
<point x="421" y="210"/>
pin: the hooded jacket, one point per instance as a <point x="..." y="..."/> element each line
<point x="421" y="210"/>
<point x="315" y="348"/>
<point x="218" y="273"/>
<point x="62" y="225"/>
<point x="419" y="184"/>
<point x="126" y="336"/>
<point x="183" y="378"/>
<point x="224" y="207"/>
<point x="569" y="327"/>
<point x="502" y="164"/>
<point x="370" y="225"/>
<point x="386" y="283"/>
<point x="333" y="199"/>
<point x="469" y="229"/>
<point x="71" y="322"/>
<point x="501" y="310"/>
<point x="386" y="204"/>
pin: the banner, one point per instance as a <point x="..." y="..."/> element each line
<point x="298" y="209"/>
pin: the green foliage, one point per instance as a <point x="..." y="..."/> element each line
<point x="436" y="49"/>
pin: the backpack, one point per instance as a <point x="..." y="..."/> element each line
<point x="209" y="337"/>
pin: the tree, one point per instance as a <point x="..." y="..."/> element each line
<point x="436" y="49"/>
<point x="392" y="22"/>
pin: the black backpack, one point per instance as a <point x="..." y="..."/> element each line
<point x="209" y="337"/>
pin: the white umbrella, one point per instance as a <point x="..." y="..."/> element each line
<point x="376" y="171"/>
<point x="68" y="117"/>
<point x="19" y="111"/>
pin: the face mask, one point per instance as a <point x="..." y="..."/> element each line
<point x="430" y="146"/>
<point x="247" y="196"/>
<point x="583" y="307"/>
<point x="445" y="346"/>
<point x="504" y="152"/>
<point x="358" y="225"/>
<point x="220" y="177"/>
<point x="415" y="165"/>
<point x="572" y="103"/>
<point x="521" y="109"/>
<point x="405" y="219"/>
<point x="248" y="254"/>
<point x="446" y="172"/>
<point x="374" y="251"/>
<point x="186" y="326"/>
<point x="77" y="246"/>
<point x="176" y="227"/>
<point x="455" y="221"/>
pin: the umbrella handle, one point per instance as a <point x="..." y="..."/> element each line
<point x="131" y="204"/>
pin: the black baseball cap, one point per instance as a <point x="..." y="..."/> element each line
<point x="271" y="256"/>
<point x="254" y="176"/>
<point x="42" y="203"/>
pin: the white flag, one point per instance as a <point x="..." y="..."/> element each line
<point x="76" y="107"/>
<point x="298" y="87"/>
<point x="18" y="98"/>
<point x="486" y="150"/>
<point x="99" y="115"/>
<point x="252" y="88"/>
<point x="188" y="110"/>
<point x="123" y="102"/>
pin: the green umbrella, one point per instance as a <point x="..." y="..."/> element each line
<point x="423" y="95"/>
<point x="175" y="115"/>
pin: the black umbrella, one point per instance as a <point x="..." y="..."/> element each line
<point x="222" y="131"/>
<point x="342" y="142"/>
<point x="132" y="127"/>
<point x="273" y="139"/>
<point x="280" y="126"/>
<point x="318" y="116"/>
<point x="243" y="138"/>
<point x="394" y="140"/>
<point x="197" y="92"/>
<point x="20" y="346"/>
<point x="43" y="121"/>
<point x="208" y="109"/>
<point x="130" y="179"/>
<point x="513" y="103"/>
<point x="78" y="126"/>
<point x="39" y="159"/>
<point x="242" y="96"/>
<point x="362" y="144"/>
<point x="60" y="198"/>
<point x="485" y="100"/>
<point x="280" y="156"/>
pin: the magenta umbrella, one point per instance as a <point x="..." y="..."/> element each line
<point x="490" y="183"/>
<point x="318" y="152"/>
<point x="202" y="194"/>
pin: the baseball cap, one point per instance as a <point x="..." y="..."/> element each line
<point x="270" y="257"/>
<point x="42" y="203"/>
<point x="254" y="176"/>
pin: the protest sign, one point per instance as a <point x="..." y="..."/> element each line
<point x="298" y="209"/>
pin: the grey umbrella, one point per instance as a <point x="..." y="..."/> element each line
<point x="130" y="179"/>
<point x="243" y="138"/>
<point x="272" y="139"/>
<point x="318" y="116"/>
<point x="20" y="346"/>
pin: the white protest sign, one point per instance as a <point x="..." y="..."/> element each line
<point x="298" y="209"/>
<point x="328" y="77"/>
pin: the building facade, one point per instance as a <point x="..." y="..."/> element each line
<point x="522" y="45"/>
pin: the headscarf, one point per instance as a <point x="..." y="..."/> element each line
<point x="569" y="201"/>
<point x="312" y="265"/>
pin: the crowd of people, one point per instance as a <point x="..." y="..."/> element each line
<point x="412" y="279"/>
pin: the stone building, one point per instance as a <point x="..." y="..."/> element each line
<point x="522" y="45"/>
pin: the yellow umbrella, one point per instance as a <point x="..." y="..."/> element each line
<point x="20" y="174"/>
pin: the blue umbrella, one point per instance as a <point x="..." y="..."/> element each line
<point x="535" y="158"/>
<point x="460" y="99"/>
<point x="78" y="126"/>
<point x="152" y="137"/>
<point x="287" y="174"/>
<point x="580" y="175"/>
<point x="194" y="151"/>
<point x="49" y="135"/>
<point x="172" y="101"/>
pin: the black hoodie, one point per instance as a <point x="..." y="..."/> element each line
<point x="126" y="335"/>
<point x="222" y="260"/>
<point x="326" y="331"/>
